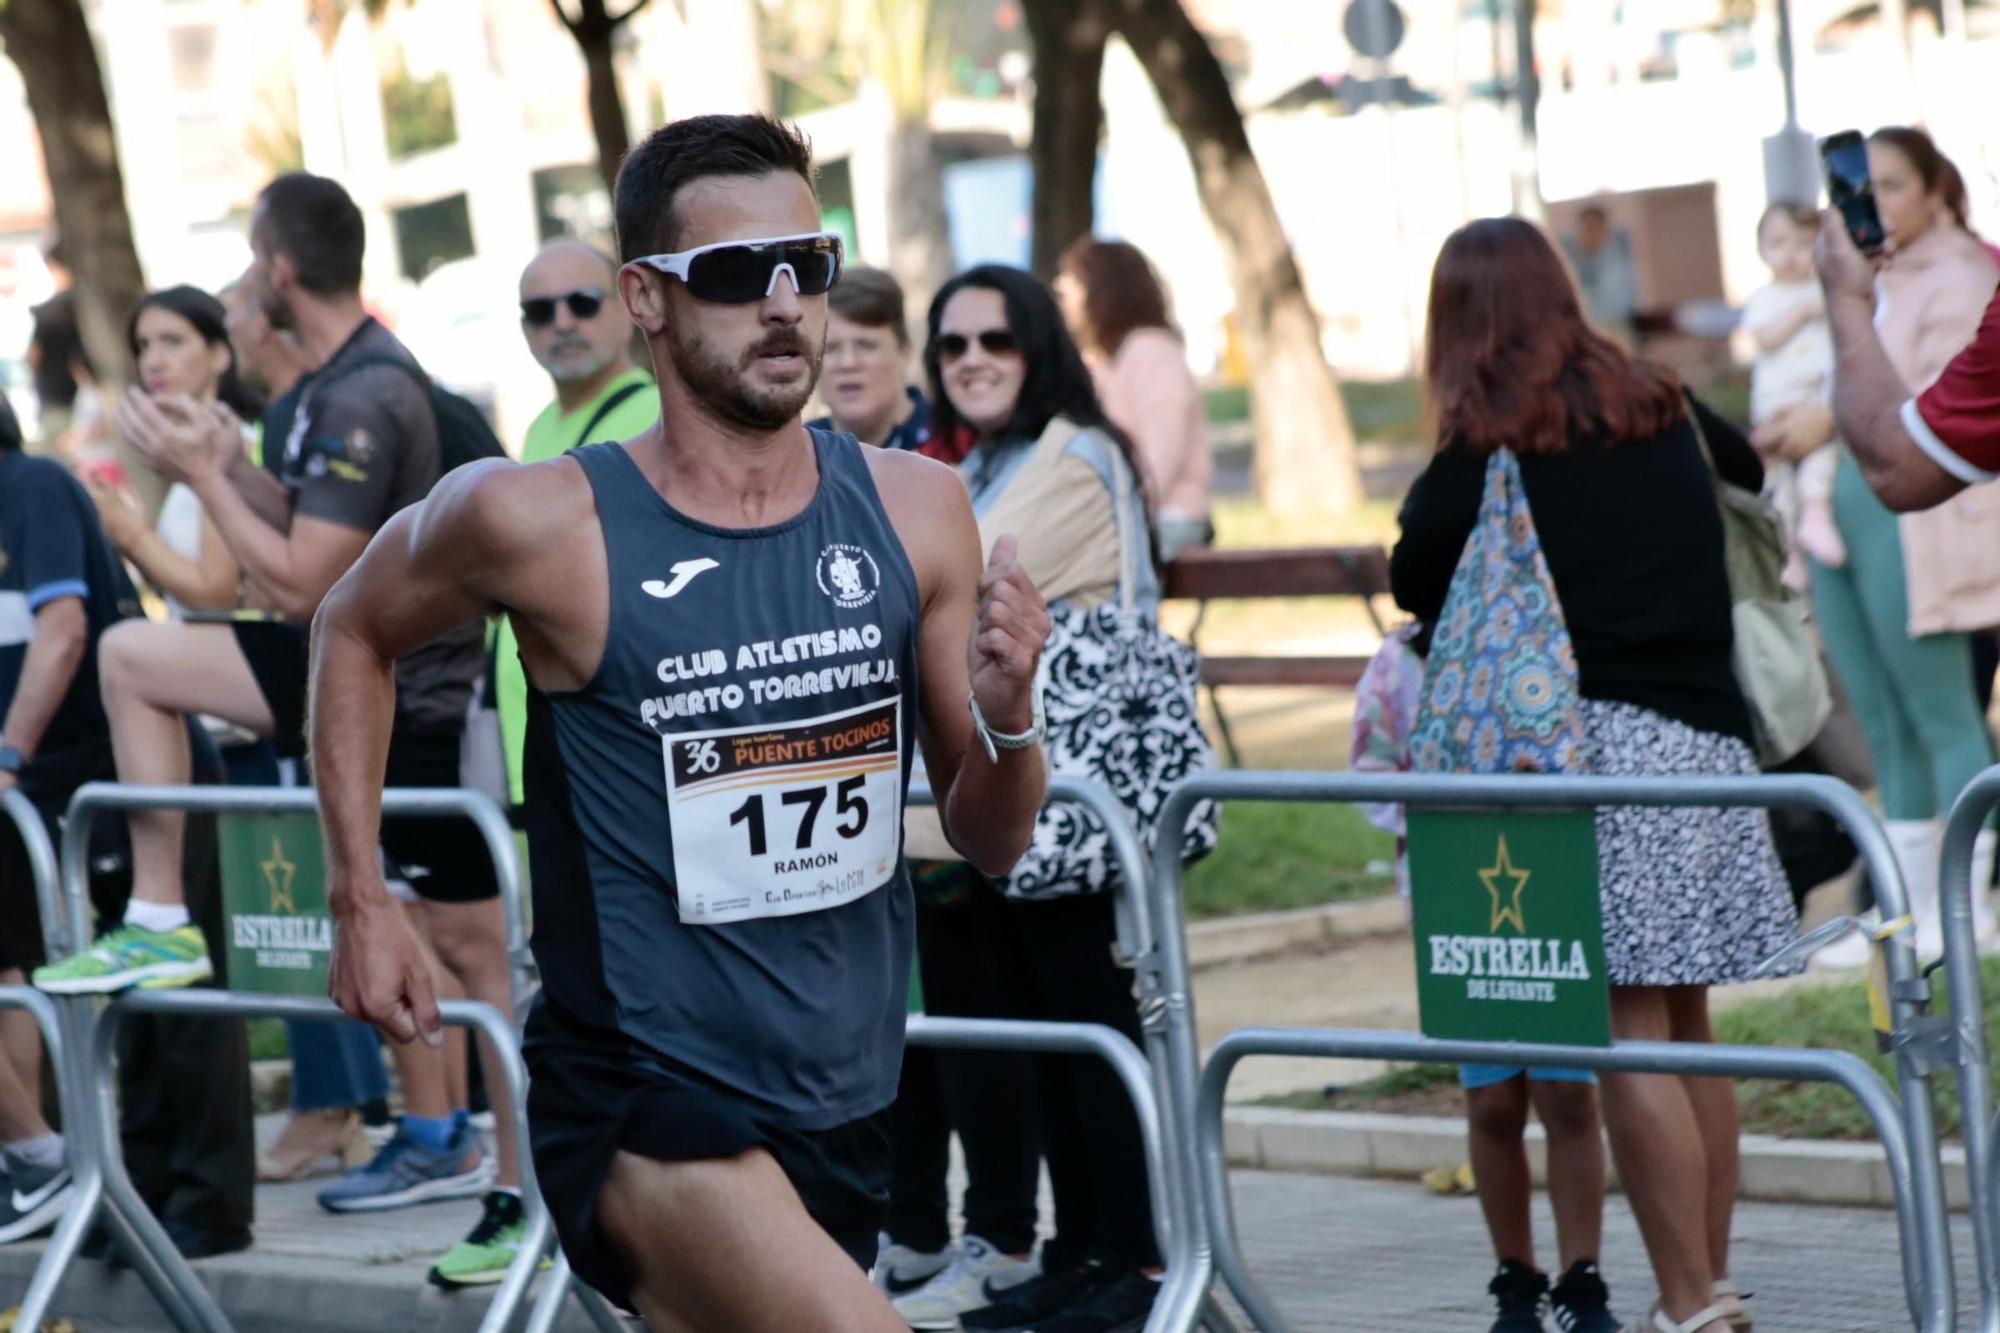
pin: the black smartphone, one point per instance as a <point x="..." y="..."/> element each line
<point x="1844" y="157"/>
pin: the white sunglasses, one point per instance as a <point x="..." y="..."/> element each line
<point x="737" y="272"/>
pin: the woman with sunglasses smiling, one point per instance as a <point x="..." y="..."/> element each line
<point x="1047" y="465"/>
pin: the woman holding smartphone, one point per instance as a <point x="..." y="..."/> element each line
<point x="1898" y="612"/>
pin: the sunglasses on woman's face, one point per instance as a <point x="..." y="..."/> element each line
<point x="538" y="312"/>
<point x="739" y="272"/>
<point x="995" y="342"/>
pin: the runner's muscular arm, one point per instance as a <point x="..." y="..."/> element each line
<point x="982" y="632"/>
<point x="432" y="568"/>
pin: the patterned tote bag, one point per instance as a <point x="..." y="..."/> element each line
<point x="1500" y="688"/>
<point x="1119" y="700"/>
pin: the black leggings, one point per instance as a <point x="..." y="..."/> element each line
<point x="984" y="956"/>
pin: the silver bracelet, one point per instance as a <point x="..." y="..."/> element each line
<point x="995" y="741"/>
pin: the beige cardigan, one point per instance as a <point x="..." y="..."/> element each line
<point x="1929" y="302"/>
<point x="1060" y="511"/>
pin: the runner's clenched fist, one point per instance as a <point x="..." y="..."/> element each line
<point x="1007" y="639"/>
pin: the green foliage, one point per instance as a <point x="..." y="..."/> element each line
<point x="417" y="113"/>
<point x="1278" y="855"/>
<point x="1828" y="1016"/>
<point x="273" y="139"/>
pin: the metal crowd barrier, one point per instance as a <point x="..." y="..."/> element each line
<point x="1910" y="1139"/>
<point x="186" y="1301"/>
<point x="1163" y="1120"/>
<point x="84" y="1171"/>
<point x="1970" y="813"/>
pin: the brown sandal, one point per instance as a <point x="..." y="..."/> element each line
<point x="313" y="1142"/>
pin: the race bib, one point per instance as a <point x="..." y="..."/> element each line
<point x="775" y="820"/>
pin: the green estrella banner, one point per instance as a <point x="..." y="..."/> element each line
<point x="1509" y="932"/>
<point x="274" y="892"/>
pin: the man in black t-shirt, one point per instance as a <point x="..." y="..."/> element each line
<point x="270" y="360"/>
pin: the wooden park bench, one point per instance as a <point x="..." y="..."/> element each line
<point x="1205" y="575"/>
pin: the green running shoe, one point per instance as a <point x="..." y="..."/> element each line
<point x="483" y="1256"/>
<point x="131" y="956"/>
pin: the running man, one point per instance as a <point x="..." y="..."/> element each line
<point x="734" y="630"/>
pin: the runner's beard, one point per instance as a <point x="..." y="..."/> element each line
<point x="722" y="384"/>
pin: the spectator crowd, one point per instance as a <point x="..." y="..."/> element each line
<point x="162" y="558"/>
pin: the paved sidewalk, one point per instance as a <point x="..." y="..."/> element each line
<point x="1387" y="1257"/>
<point x="1362" y="1256"/>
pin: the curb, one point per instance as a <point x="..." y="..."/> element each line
<point x="1375" y="1143"/>
<point x="264" y="1292"/>
<point x="1235" y="939"/>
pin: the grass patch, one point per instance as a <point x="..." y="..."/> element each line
<point x="1833" y="1016"/>
<point x="267" y="1039"/>
<point x="1227" y="404"/>
<point x="1274" y="856"/>
<point x="1383" y="411"/>
<point x="1241" y="521"/>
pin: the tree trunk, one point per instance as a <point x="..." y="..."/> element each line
<point x="1069" y="38"/>
<point x="1305" y="458"/>
<point x="607" y="110"/>
<point x="49" y="42"/>
<point x="919" y="239"/>
<point x="595" y="31"/>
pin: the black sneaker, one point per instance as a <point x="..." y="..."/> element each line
<point x="1118" y="1305"/>
<point x="1016" y="1308"/>
<point x="1519" y="1290"/>
<point x="205" y="1242"/>
<point x="1581" y="1302"/>
<point x="32" y="1197"/>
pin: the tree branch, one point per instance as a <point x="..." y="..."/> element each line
<point x="637" y="5"/>
<point x="574" y="25"/>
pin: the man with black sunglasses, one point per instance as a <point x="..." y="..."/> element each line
<point x="735" y="631"/>
<point x="578" y="331"/>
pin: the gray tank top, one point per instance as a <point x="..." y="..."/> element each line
<point x="715" y="820"/>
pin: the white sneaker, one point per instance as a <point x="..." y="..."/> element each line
<point x="974" y="1278"/>
<point x="900" y="1270"/>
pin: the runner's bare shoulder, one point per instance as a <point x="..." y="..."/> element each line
<point x="928" y="506"/>
<point x="502" y="511"/>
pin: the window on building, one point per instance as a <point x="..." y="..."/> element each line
<point x="191" y="57"/>
<point x="431" y="234"/>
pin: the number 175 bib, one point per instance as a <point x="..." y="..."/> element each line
<point x="774" y="820"/>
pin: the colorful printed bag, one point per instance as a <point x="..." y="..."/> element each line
<point x="1500" y="687"/>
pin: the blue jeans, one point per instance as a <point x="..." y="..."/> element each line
<point x="335" y="1065"/>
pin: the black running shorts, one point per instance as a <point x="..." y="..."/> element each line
<point x="584" y="1107"/>
<point x="277" y="655"/>
<point x="441" y="857"/>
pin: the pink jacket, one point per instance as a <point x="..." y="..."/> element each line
<point x="1929" y="302"/>
<point x="1148" y="391"/>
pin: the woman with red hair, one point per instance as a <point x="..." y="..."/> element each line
<point x="1624" y="504"/>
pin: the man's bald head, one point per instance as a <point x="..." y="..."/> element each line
<point x="564" y="280"/>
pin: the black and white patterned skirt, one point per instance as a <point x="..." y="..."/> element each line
<point x="1692" y="897"/>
